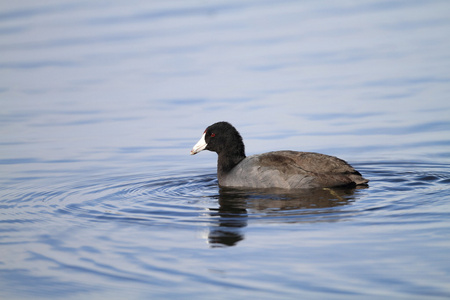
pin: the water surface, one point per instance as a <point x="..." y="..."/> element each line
<point x="102" y="102"/>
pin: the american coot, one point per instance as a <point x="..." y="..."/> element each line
<point x="278" y="169"/>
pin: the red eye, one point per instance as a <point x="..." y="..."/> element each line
<point x="213" y="134"/>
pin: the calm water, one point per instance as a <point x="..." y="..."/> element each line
<point x="101" y="104"/>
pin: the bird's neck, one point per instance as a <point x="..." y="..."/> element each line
<point x="227" y="161"/>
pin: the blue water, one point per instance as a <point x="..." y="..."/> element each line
<point x="101" y="103"/>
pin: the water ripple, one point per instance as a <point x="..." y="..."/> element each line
<point x="181" y="200"/>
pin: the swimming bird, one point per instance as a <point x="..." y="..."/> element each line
<point x="278" y="169"/>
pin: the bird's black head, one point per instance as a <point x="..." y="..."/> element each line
<point x="223" y="137"/>
<point x="225" y="140"/>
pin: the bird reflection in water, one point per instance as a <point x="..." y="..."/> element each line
<point x="237" y="206"/>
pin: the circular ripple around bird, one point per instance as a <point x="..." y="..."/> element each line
<point x="182" y="200"/>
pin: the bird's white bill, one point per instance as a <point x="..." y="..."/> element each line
<point x="200" y="146"/>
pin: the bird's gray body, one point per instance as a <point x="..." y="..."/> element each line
<point x="291" y="170"/>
